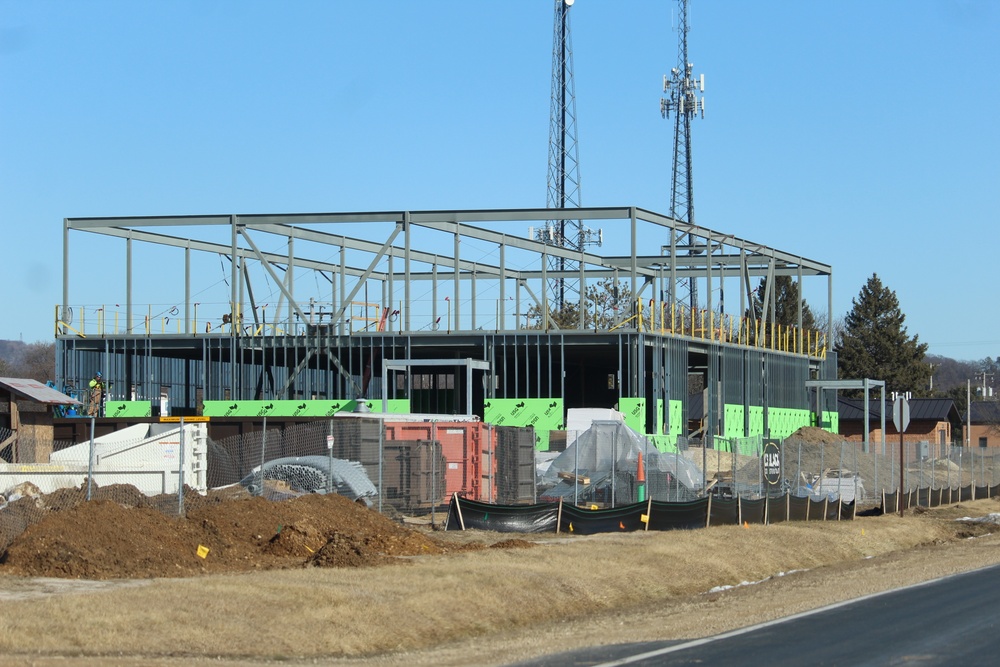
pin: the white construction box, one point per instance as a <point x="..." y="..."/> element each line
<point x="147" y="456"/>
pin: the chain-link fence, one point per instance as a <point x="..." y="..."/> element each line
<point x="601" y="467"/>
<point x="416" y="467"/>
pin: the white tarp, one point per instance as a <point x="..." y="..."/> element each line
<point x="608" y="446"/>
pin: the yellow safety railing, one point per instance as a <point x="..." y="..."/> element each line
<point x="671" y="318"/>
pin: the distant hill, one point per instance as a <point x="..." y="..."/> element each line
<point x="12" y="351"/>
<point x="950" y="373"/>
<point x="28" y="360"/>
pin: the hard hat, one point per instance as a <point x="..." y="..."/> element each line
<point x="99" y="374"/>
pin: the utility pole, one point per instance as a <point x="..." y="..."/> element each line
<point x="968" y="414"/>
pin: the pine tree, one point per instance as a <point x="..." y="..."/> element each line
<point x="875" y="343"/>
<point x="786" y="304"/>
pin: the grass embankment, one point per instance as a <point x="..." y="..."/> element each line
<point x="429" y="601"/>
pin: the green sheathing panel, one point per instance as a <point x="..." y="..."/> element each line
<point x="830" y="421"/>
<point x="545" y="414"/>
<point x="756" y="421"/>
<point x="785" y="421"/>
<point x="676" y="427"/>
<point x="634" y="410"/>
<point x="294" y="408"/>
<point x="734" y="421"/>
<point x="128" y="409"/>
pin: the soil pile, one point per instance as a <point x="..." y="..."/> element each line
<point x="106" y="539"/>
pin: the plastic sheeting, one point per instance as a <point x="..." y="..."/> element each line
<point x="679" y="516"/>
<point x="752" y="511"/>
<point x="777" y="509"/>
<point x="650" y="515"/>
<point x="464" y="514"/>
<point x="581" y="521"/>
<point x="609" y="447"/>
<point x="798" y="508"/>
<point x="724" y="512"/>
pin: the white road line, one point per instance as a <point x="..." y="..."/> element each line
<point x="735" y="633"/>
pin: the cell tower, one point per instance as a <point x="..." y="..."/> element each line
<point x="683" y="101"/>
<point x="564" y="160"/>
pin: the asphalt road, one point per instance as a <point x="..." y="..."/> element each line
<point x="949" y="621"/>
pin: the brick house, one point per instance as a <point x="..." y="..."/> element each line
<point x="933" y="421"/>
<point x="985" y="424"/>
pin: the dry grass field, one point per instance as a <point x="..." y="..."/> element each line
<point x="470" y="604"/>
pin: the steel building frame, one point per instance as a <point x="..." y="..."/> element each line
<point x="313" y="350"/>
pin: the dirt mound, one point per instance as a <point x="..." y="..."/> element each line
<point x="812" y="435"/>
<point x="128" y="538"/>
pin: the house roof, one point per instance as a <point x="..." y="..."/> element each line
<point x="985" y="412"/>
<point x="36" y="391"/>
<point x="921" y="409"/>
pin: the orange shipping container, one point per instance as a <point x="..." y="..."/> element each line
<point x="468" y="452"/>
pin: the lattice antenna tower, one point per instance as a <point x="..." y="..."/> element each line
<point x="682" y="88"/>
<point x="564" y="161"/>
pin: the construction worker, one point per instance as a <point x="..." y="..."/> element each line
<point x="96" y="395"/>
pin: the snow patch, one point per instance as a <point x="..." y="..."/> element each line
<point x="719" y="589"/>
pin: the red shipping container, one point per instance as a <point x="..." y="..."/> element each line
<point x="467" y="448"/>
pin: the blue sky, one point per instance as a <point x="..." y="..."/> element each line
<point x="862" y="134"/>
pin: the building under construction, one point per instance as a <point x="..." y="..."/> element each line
<point x="466" y="312"/>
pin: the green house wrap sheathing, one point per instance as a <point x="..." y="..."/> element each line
<point x="782" y="421"/>
<point x="296" y="408"/>
<point x="545" y="414"/>
<point x="733" y="421"/>
<point x="118" y="409"/>
<point x="665" y="439"/>
<point x="830" y="422"/>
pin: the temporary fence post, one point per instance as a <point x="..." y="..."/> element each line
<point x="559" y="515"/>
<point x="614" y="461"/>
<point x="180" y="471"/>
<point x="798" y="465"/>
<point x="576" y="473"/>
<point x="263" y="446"/>
<point x="921" y="484"/>
<point x="492" y="452"/>
<point x="90" y="465"/>
<point x="434" y="495"/>
<point x="733" y="446"/>
<point x="677" y="489"/>
<point x="961" y="472"/>
<point x="381" y="457"/>
<point x="876" y="487"/>
<point x="458" y="508"/>
<point x="329" y="470"/>
<point x="822" y="463"/>
<point x="901" y="469"/>
<point x="856" y="471"/>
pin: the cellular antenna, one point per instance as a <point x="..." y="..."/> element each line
<point x="682" y="88"/>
